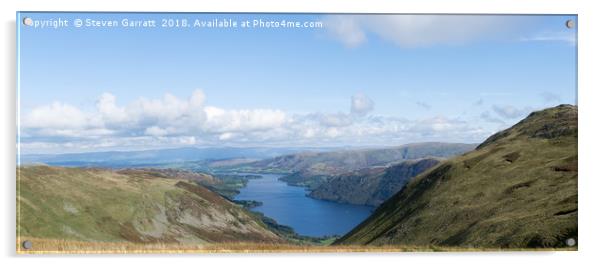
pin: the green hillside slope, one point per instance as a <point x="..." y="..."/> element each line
<point x="134" y="206"/>
<point x="517" y="189"/>
<point x="371" y="186"/>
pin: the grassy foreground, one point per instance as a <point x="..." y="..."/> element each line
<point x="56" y="246"/>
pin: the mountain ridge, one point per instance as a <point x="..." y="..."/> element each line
<point x="371" y="186"/>
<point x="518" y="189"/>
<point x="311" y="169"/>
<point x="141" y="206"/>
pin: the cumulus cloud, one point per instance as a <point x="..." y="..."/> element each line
<point x="109" y="111"/>
<point x="334" y="120"/>
<point x="56" y="115"/>
<point x="169" y="112"/>
<point x="168" y="120"/>
<point x="220" y="120"/>
<point x="155" y="131"/>
<point x="361" y="104"/>
<point x="347" y="29"/>
<point x="171" y="121"/>
<point x="154" y="117"/>
<point x="417" y="30"/>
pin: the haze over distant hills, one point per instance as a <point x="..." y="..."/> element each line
<point x="153" y="157"/>
<point x="312" y="168"/>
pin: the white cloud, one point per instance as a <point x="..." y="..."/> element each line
<point x="169" y="111"/>
<point x="154" y="117"/>
<point x="109" y="111"/>
<point x="333" y="132"/>
<point x="155" y="131"/>
<point x="361" y="104"/>
<point x="187" y="140"/>
<point x="417" y="30"/>
<point x="171" y="121"/>
<point x="348" y="29"/>
<point x="56" y="115"/>
<point x="220" y="120"/>
<point x="226" y="136"/>
<point x="168" y="119"/>
<point x="334" y="120"/>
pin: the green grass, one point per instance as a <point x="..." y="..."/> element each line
<point x="103" y="205"/>
<point x="518" y="189"/>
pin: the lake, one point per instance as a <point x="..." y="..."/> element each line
<point x="290" y="206"/>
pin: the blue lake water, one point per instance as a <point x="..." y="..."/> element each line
<point x="290" y="206"/>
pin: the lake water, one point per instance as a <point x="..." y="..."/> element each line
<point x="290" y="206"/>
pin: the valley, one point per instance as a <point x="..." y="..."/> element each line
<point x="290" y="206"/>
<point x="517" y="189"/>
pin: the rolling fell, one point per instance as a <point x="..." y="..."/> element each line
<point x="135" y="206"/>
<point x="518" y="189"/>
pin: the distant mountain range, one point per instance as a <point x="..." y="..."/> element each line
<point x="311" y="169"/>
<point x="157" y="157"/>
<point x="518" y="189"/>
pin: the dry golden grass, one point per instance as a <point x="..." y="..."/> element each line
<point x="57" y="246"/>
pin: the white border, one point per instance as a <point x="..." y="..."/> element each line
<point x="589" y="137"/>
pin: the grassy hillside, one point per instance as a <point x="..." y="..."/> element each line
<point x="200" y="178"/>
<point x="371" y="186"/>
<point x="312" y="168"/>
<point x="517" y="189"/>
<point x="139" y="206"/>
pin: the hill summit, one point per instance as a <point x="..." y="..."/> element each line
<point x="518" y="189"/>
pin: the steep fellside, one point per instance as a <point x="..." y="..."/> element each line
<point x="130" y="205"/>
<point x="371" y="186"/>
<point x="517" y="189"/>
<point x="312" y="168"/>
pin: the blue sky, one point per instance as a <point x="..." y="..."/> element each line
<point x="357" y="81"/>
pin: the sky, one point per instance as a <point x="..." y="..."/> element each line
<point x="351" y="80"/>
